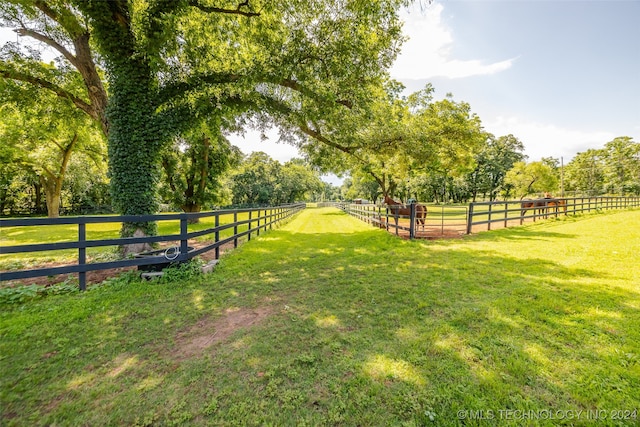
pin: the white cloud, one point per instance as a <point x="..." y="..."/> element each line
<point x="427" y="53"/>
<point x="548" y="140"/>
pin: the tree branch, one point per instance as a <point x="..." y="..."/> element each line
<point x="37" y="81"/>
<point x="57" y="144"/>
<point x="301" y="124"/>
<point x="295" y="85"/>
<point x="168" y="91"/>
<point x="237" y="11"/>
<point x="66" y="18"/>
<point x="47" y="40"/>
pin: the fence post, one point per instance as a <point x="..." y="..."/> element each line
<point x="249" y="229"/>
<point x="184" y="247"/>
<point x="82" y="254"/>
<point x="506" y="214"/>
<point x="258" y="218"/>
<point x="489" y="220"/>
<point x="217" y="224"/>
<point x="470" y="218"/>
<point x="395" y="214"/>
<point x="412" y="220"/>
<point x="235" y="229"/>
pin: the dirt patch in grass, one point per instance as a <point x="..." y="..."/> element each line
<point x="207" y="332"/>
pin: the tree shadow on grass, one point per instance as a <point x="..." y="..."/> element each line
<point x="459" y="330"/>
<point x="526" y="233"/>
<point x="366" y="329"/>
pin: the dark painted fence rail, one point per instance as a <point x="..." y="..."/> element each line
<point x="506" y="213"/>
<point x="481" y="215"/>
<point x="258" y="219"/>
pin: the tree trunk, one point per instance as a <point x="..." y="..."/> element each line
<point x="134" y="150"/>
<point x="53" y="204"/>
<point x="48" y="183"/>
<point x="37" y="203"/>
<point x="192" y="208"/>
<point x="52" y="182"/>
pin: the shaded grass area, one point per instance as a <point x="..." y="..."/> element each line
<point x="346" y="325"/>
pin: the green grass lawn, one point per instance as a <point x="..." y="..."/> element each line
<point x="328" y="321"/>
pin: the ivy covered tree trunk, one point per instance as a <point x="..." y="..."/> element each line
<point x="134" y="139"/>
<point x="134" y="147"/>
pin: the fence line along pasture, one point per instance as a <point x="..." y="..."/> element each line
<point x="441" y="221"/>
<point x="509" y="213"/>
<point x="451" y="221"/>
<point x="245" y="223"/>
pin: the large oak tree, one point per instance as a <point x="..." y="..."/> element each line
<point x="169" y="63"/>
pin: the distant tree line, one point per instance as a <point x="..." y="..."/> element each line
<point x="500" y="171"/>
<point x="254" y="180"/>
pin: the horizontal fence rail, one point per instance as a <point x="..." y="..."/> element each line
<point x="245" y="223"/>
<point x="440" y="220"/>
<point x="509" y="213"/>
<point x="450" y="221"/>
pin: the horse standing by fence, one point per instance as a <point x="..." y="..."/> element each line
<point x="541" y="206"/>
<point x="399" y="209"/>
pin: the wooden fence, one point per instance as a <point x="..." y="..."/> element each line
<point x="450" y="221"/>
<point x="508" y="213"/>
<point x="256" y="219"/>
<point x="441" y="221"/>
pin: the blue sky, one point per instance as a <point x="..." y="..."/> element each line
<point x="562" y="76"/>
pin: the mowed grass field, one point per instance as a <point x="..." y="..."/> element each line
<point x="328" y="321"/>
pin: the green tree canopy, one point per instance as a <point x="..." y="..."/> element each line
<point x="40" y="135"/>
<point x="402" y="137"/>
<point x="496" y="157"/>
<point x="261" y="180"/>
<point x="194" y="165"/>
<point x="170" y="63"/>
<point x="531" y="178"/>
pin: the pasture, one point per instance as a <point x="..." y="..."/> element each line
<point x="328" y="321"/>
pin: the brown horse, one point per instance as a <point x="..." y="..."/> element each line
<point x="399" y="209"/>
<point x="558" y="203"/>
<point x="543" y="205"/>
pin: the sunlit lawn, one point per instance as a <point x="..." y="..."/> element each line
<point x="329" y="321"/>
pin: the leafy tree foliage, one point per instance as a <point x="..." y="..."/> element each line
<point x="361" y="185"/>
<point x="193" y="167"/>
<point x="86" y="187"/>
<point x="613" y="169"/>
<point x="170" y="63"/>
<point x="496" y="157"/>
<point x="402" y="139"/>
<point x="531" y="178"/>
<point x="585" y="173"/>
<point x="40" y="135"/>
<point x="261" y="180"/>
<point x="622" y="166"/>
